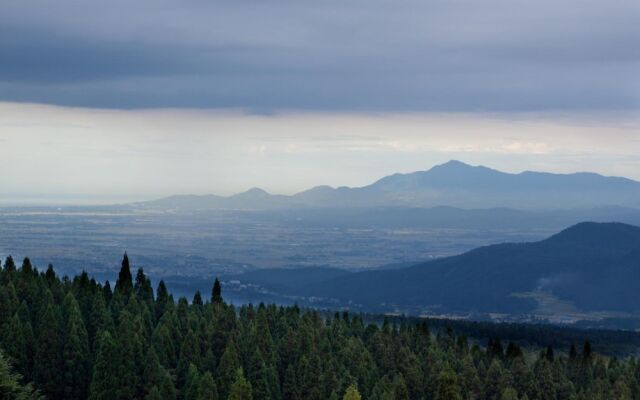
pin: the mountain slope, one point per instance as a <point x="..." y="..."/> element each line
<point x="588" y="267"/>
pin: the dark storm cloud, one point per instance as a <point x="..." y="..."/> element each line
<point x="356" y="55"/>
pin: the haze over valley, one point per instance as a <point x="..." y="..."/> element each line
<point x="395" y="223"/>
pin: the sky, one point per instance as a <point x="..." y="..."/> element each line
<point x="118" y="100"/>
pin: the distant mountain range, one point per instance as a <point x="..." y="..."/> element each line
<point x="590" y="270"/>
<point x="453" y="184"/>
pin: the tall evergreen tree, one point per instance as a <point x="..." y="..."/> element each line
<point x="197" y="299"/>
<point x="13" y="342"/>
<point x="9" y="264"/>
<point x="8" y="302"/>
<point x="448" y="386"/>
<point x="241" y="388"/>
<point x="509" y="394"/>
<point x="105" y="369"/>
<point x="124" y="284"/>
<point x="107" y="292"/>
<point x="352" y="393"/>
<point x="76" y="356"/>
<point x="48" y="361"/>
<point x="167" y="389"/>
<point x="544" y="383"/>
<point x="216" y="292"/>
<point x="99" y="318"/>
<point x="162" y="299"/>
<point x="207" y="389"/>
<point x="191" y="384"/>
<point x="153" y="373"/>
<point x="129" y="358"/>
<point x="227" y="370"/>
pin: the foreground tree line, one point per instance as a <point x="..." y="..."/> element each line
<point x="77" y="339"/>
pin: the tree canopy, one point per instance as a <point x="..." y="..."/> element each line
<point x="75" y="338"/>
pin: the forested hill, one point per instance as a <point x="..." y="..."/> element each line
<point x="79" y="339"/>
<point x="589" y="267"/>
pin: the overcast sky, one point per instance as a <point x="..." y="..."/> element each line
<point x="133" y="99"/>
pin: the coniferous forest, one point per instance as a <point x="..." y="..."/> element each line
<point x="77" y="339"/>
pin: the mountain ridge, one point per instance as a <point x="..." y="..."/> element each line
<point x="453" y="184"/>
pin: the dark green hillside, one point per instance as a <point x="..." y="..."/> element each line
<point x="77" y="339"/>
<point x="590" y="267"/>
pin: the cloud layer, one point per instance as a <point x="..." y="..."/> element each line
<point x="410" y="55"/>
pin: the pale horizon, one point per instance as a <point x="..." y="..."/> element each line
<point x="131" y="155"/>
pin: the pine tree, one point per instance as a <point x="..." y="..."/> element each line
<point x="257" y="375"/>
<point x="548" y="354"/>
<point x="216" y="292"/>
<point x="290" y="386"/>
<point x="522" y="377"/>
<point x="544" y="383"/>
<point x="470" y="382"/>
<point x="144" y="292"/>
<point x="124" y="284"/>
<point x="14" y="344"/>
<point x="167" y="389"/>
<point x="163" y="341"/>
<point x="352" y="393"/>
<point x="191" y="384"/>
<point x="27" y="358"/>
<point x="400" y="391"/>
<point x="573" y="353"/>
<point x="107" y="293"/>
<point x="105" y="369"/>
<point x="50" y="275"/>
<point x="75" y="352"/>
<point x="129" y="358"/>
<point x="241" y="388"/>
<point x="99" y="319"/>
<point x="448" y="385"/>
<point x="197" y="299"/>
<point x="509" y="394"/>
<point x="162" y="299"/>
<point x="207" y="389"/>
<point x="8" y="302"/>
<point x="189" y="354"/>
<point x="227" y="370"/>
<point x="494" y="382"/>
<point x="9" y="264"/>
<point x="48" y="361"/>
<point x="153" y="373"/>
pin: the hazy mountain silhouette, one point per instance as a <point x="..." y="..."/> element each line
<point x="454" y="184"/>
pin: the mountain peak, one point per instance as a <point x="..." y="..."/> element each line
<point x="459" y="167"/>
<point x="453" y="164"/>
<point x="253" y="192"/>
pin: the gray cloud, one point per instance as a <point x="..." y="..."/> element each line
<point x="356" y="55"/>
